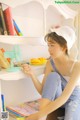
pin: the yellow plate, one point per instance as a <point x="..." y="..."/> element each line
<point x="38" y="64"/>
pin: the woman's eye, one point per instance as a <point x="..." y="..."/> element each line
<point x="50" y="45"/>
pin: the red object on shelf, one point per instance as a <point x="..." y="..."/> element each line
<point x="9" y="60"/>
<point x="2" y="49"/>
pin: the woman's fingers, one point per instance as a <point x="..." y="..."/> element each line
<point x="27" y="69"/>
<point x="25" y="66"/>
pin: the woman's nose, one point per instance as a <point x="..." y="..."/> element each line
<point x="49" y="49"/>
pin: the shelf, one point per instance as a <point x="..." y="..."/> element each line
<point x="63" y="9"/>
<point x="20" y="75"/>
<point x="33" y="23"/>
<point x="14" y="3"/>
<point x="11" y="75"/>
<point x="22" y="40"/>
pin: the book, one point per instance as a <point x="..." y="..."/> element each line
<point x="24" y="109"/>
<point x="14" y="117"/>
<point x="3" y="29"/>
<point x="9" y="21"/>
<point x="17" y="29"/>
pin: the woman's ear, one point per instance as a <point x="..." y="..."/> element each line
<point x="64" y="48"/>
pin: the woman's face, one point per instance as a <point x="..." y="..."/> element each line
<point x="55" y="49"/>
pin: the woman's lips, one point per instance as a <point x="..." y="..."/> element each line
<point x="51" y="54"/>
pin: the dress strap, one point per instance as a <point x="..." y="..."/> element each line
<point x="54" y="67"/>
<point x="72" y="67"/>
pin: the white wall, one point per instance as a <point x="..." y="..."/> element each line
<point x="77" y="24"/>
<point x="16" y="92"/>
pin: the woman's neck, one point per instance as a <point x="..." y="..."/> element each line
<point x="64" y="65"/>
<point x="61" y="60"/>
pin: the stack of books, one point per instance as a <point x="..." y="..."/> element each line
<point x="8" y="25"/>
<point x="24" y="109"/>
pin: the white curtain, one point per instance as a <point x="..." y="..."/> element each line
<point x="66" y="11"/>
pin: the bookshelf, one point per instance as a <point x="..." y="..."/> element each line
<point x="37" y="24"/>
<point x="34" y="24"/>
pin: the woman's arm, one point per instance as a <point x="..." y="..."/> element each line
<point x="39" y="86"/>
<point x="53" y="105"/>
<point x="65" y="94"/>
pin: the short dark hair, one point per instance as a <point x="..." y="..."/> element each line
<point x="53" y="36"/>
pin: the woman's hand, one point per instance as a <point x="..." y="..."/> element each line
<point x="27" y="70"/>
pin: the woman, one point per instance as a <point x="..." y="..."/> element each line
<point x="61" y="83"/>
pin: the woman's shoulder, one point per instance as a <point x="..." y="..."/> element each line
<point x="48" y="64"/>
<point x="76" y="70"/>
<point x="77" y="65"/>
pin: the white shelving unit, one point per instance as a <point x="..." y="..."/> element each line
<point x="20" y="75"/>
<point x="15" y="76"/>
<point x="21" y="40"/>
<point x="35" y="18"/>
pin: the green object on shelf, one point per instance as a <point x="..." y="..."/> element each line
<point x="13" y="69"/>
<point x="15" y="55"/>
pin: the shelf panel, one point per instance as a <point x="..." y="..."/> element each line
<point x="20" y="75"/>
<point x="22" y="40"/>
<point x="14" y="3"/>
<point x="11" y="75"/>
<point x="11" y="39"/>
